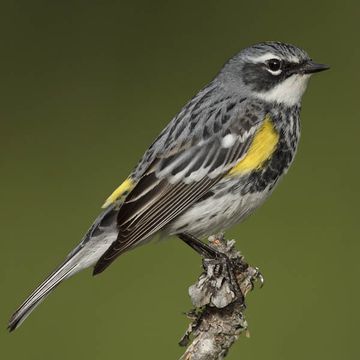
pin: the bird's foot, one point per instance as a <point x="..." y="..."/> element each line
<point x="226" y="277"/>
<point x="221" y="288"/>
<point x="227" y="269"/>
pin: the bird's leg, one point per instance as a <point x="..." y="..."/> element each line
<point x="201" y="248"/>
<point x="209" y="252"/>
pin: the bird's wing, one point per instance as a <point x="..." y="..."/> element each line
<point x="177" y="178"/>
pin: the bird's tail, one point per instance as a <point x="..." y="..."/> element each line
<point x="96" y="241"/>
<point x="65" y="270"/>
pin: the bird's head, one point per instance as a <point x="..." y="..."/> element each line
<point x="272" y="71"/>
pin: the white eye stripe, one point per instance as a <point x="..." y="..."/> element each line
<point x="293" y="59"/>
<point x="263" y="58"/>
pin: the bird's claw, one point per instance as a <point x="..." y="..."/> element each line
<point x="259" y="277"/>
<point x="231" y="268"/>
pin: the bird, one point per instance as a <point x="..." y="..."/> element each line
<point x="213" y="165"/>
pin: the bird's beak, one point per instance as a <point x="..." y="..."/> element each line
<point x="311" y="67"/>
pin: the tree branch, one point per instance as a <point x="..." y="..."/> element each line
<point x="218" y="318"/>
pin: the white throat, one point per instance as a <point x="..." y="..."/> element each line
<point x="289" y="92"/>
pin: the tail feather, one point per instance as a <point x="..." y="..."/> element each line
<point x="65" y="270"/>
<point x="96" y="241"/>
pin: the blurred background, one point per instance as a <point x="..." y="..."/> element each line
<point x="85" y="88"/>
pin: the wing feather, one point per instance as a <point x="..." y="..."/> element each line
<point x="176" y="179"/>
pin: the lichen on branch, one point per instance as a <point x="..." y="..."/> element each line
<point x="218" y="296"/>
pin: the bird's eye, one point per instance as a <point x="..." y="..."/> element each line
<point x="274" y="66"/>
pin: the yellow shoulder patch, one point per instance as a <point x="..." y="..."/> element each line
<point x="261" y="148"/>
<point x="124" y="188"/>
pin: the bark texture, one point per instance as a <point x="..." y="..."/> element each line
<point x="217" y="319"/>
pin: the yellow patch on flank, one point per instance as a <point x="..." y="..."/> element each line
<point x="125" y="187"/>
<point x="261" y="148"/>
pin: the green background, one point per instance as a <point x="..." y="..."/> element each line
<point x="85" y="87"/>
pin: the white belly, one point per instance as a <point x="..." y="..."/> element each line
<point x="216" y="214"/>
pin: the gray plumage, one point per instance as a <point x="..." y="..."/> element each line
<point x="182" y="183"/>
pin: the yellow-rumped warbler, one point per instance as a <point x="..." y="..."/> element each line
<point x="213" y="164"/>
